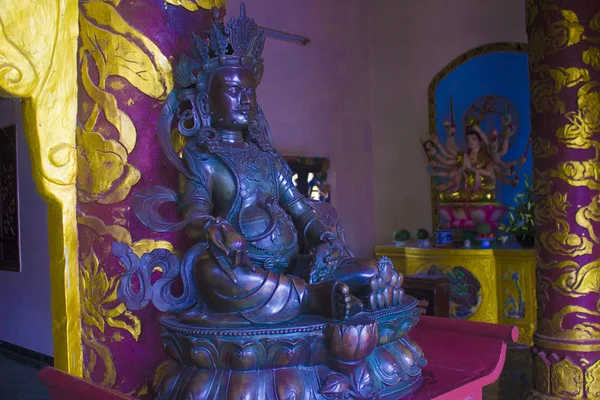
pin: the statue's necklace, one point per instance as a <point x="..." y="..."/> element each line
<point x="249" y="162"/>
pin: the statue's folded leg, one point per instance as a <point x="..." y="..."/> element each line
<point x="265" y="297"/>
<point x="376" y="284"/>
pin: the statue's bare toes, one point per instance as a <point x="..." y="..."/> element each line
<point x="342" y="301"/>
<point x="381" y="283"/>
<point x="380" y="301"/>
<point x="394" y="279"/>
<point x="373" y="301"/>
<point x="397" y="296"/>
<point x="386" y="273"/>
<point x="374" y="283"/>
<point x="388" y="296"/>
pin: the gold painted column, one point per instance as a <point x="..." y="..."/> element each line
<point x="564" y="38"/>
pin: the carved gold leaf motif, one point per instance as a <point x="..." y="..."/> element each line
<point x="588" y="103"/>
<point x="587" y="216"/>
<point x="549" y="82"/>
<point x="579" y="173"/>
<point x="540" y="185"/>
<point x="119" y="119"/>
<point x="104" y="175"/>
<point x="119" y="51"/>
<point x="122" y="235"/>
<point x="592" y="380"/>
<point x="578" y="282"/>
<point x="566" y="379"/>
<point x="17" y="73"/>
<point x="577" y="134"/>
<point x="95" y="350"/>
<point x="559" y="240"/>
<point x="193" y="5"/>
<point x="585" y="330"/>
<point x="567" y="32"/>
<point x="100" y="308"/>
<point x="591" y="57"/>
<point x="542" y="147"/>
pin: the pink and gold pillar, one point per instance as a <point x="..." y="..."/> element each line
<point x="125" y="60"/>
<point x="564" y="38"/>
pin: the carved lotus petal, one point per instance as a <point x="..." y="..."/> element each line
<point x="351" y="342"/>
<point x="243" y="357"/>
<point x="386" y="332"/>
<point x="284" y="354"/>
<point x="204" y="355"/>
<point x="335" y="385"/>
<point x="288" y="384"/>
<point x="387" y="367"/>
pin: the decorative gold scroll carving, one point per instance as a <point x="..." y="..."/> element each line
<point x="38" y="47"/>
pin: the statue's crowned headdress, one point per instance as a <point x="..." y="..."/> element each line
<point x="239" y="44"/>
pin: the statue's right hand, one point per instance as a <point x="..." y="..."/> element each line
<point x="225" y="238"/>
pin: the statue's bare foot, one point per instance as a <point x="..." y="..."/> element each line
<point x="336" y="294"/>
<point x="344" y="304"/>
<point x="386" y="288"/>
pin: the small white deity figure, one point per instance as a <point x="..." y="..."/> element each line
<point x="471" y="175"/>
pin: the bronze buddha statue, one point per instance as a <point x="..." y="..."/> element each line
<point x="240" y="206"/>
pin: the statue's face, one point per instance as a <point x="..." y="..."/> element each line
<point x="233" y="98"/>
<point x="473" y="141"/>
<point x="430" y="149"/>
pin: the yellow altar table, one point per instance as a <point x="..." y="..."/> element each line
<point x="495" y="285"/>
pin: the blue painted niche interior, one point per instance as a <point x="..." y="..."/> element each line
<point x="502" y="74"/>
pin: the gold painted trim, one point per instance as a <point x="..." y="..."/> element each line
<point x="445" y="253"/>
<point x="516" y="47"/>
<point x="576" y="347"/>
<point x="38" y="48"/>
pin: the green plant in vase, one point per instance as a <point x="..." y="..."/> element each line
<point x="401" y="237"/>
<point x="422" y="235"/>
<point x="521" y="223"/>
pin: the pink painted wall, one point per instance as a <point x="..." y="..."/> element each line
<point x="25" y="315"/>
<point x="358" y="94"/>
<point x="317" y="97"/>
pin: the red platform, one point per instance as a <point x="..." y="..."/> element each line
<point x="462" y="356"/>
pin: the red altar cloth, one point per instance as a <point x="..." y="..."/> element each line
<point x="462" y="356"/>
